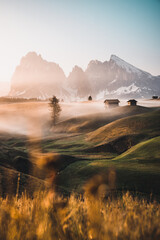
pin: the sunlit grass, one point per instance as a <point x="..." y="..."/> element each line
<point x="146" y="124"/>
<point x="47" y="216"/>
<point x="143" y="152"/>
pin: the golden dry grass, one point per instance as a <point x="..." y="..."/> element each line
<point x="47" y="216"/>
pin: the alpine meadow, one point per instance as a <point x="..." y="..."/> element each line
<point x="79" y="120"/>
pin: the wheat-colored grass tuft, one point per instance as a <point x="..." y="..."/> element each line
<point x="49" y="216"/>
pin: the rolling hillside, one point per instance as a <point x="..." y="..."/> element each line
<point x="91" y="122"/>
<point x="82" y="155"/>
<point x="147" y="151"/>
<point x="137" y="169"/>
<point x="145" y="124"/>
<point x="14" y="182"/>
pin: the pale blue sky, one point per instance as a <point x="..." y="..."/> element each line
<point x="71" y="32"/>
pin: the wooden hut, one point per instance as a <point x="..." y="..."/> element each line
<point x="110" y="103"/>
<point x="154" y="97"/>
<point x="132" y="102"/>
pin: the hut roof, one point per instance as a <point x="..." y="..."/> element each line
<point x="111" y="101"/>
<point x="132" y="100"/>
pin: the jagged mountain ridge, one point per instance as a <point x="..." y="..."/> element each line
<point x="119" y="78"/>
<point x="78" y="81"/>
<point x="35" y="77"/>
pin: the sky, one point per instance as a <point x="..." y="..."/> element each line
<point x="72" y="32"/>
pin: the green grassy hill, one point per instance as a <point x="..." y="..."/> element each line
<point x="147" y="151"/>
<point x="12" y="182"/>
<point x="137" y="169"/>
<point x="91" y="122"/>
<point x="81" y="157"/>
<point x="146" y="124"/>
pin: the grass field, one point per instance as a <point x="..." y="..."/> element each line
<point x="91" y="158"/>
<point x="47" y="217"/>
<point x="90" y="122"/>
<point x="127" y="141"/>
<point x="146" y="151"/>
<point x="147" y="124"/>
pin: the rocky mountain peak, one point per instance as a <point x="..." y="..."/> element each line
<point x="77" y="69"/>
<point x="36" y="77"/>
<point x="125" y="65"/>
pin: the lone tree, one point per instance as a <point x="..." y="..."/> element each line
<point x="89" y="98"/>
<point x="55" y="109"/>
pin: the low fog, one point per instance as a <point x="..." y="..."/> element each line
<point x="32" y="118"/>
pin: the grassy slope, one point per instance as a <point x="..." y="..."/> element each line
<point x="9" y="183"/>
<point x="13" y="148"/>
<point x="142" y="174"/>
<point x="93" y="121"/>
<point x="147" y="124"/>
<point x="145" y="151"/>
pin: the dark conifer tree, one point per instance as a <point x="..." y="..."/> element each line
<point x="55" y="109"/>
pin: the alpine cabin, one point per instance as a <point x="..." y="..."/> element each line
<point x="132" y="102"/>
<point x="154" y="97"/>
<point x="110" y="103"/>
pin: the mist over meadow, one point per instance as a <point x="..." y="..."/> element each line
<point x="79" y="120"/>
<point x="31" y="117"/>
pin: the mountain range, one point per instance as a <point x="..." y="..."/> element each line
<point x="38" y="78"/>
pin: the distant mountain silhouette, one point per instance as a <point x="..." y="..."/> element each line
<point x="35" y="77"/>
<point x="78" y="80"/>
<point x="117" y="78"/>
